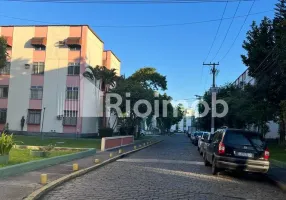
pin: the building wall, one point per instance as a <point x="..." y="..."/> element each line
<point x="115" y="64"/>
<point x="91" y="93"/>
<point x="89" y="118"/>
<point x="4" y="79"/>
<point x="20" y="77"/>
<point x="110" y="61"/>
<point x="55" y="78"/>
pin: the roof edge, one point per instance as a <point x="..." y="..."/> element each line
<point x="113" y="55"/>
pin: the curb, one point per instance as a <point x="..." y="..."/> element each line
<point x="279" y="184"/>
<point x="39" y="164"/>
<point x="43" y="190"/>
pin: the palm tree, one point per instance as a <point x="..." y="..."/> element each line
<point x="107" y="79"/>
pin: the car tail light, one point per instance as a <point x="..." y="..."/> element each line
<point x="221" y="148"/>
<point x="266" y="154"/>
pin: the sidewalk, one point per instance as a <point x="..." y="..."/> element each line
<point x="19" y="186"/>
<point x="278" y="176"/>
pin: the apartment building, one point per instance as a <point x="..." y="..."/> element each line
<point x="186" y="122"/>
<point x="243" y="79"/>
<point x="43" y="80"/>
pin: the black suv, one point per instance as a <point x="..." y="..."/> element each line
<point x="235" y="149"/>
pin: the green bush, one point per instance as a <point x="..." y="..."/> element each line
<point x="105" y="132"/>
<point x="6" y="143"/>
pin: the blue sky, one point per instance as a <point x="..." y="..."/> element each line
<point x="176" y="51"/>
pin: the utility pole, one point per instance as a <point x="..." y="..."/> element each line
<point x="213" y="92"/>
<point x="199" y="120"/>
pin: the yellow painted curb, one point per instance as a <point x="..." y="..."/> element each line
<point x="43" y="190"/>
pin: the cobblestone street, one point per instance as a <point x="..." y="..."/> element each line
<point x="172" y="169"/>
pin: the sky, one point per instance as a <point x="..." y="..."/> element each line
<point x="176" y="51"/>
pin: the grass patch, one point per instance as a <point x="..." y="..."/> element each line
<point x="277" y="152"/>
<point x="146" y="137"/>
<point x="18" y="156"/>
<point x="65" y="142"/>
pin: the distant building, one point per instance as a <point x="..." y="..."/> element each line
<point x="43" y="79"/>
<point x="244" y="79"/>
<point x="185" y="122"/>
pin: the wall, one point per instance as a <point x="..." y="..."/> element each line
<point x="115" y="64"/>
<point x="20" y="77"/>
<point x="5" y="78"/>
<point x="91" y="95"/>
<point x="37" y="80"/>
<point x="90" y="99"/>
<point x="55" y="78"/>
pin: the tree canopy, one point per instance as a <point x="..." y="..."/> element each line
<point x="3" y="52"/>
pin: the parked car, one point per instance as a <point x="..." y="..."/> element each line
<point x="196" y="136"/>
<point x="205" y="142"/>
<point x="235" y="149"/>
<point x="192" y="136"/>
<point x="202" y="140"/>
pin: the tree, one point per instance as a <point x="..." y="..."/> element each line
<point x="106" y="78"/>
<point x="266" y="60"/>
<point x="165" y="122"/>
<point x="137" y="92"/>
<point x="3" y="52"/>
<point x="141" y="85"/>
<point x="149" y="78"/>
<point x="245" y="109"/>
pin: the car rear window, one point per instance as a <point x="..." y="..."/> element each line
<point x="199" y="134"/>
<point x="205" y="136"/>
<point x="243" y="138"/>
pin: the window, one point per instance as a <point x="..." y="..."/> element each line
<point x="217" y="137"/>
<point x="5" y="69"/>
<point x="74" y="47"/>
<point x="73" y="69"/>
<point x="36" y="92"/>
<point x="38" y="68"/>
<point x="244" y="138"/>
<point x="3" y="115"/>
<point x="4" y="91"/>
<point x="34" y="117"/>
<point x="72" y="93"/>
<point x="205" y="136"/>
<point x="70" y="118"/>
<point x="40" y="48"/>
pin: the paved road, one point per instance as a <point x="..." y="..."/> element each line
<point x="172" y="169"/>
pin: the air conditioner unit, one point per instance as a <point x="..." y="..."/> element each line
<point x="59" y="117"/>
<point x="27" y="66"/>
<point x="62" y="43"/>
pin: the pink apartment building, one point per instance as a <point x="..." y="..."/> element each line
<point x="43" y="79"/>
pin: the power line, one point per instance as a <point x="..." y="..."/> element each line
<point x="139" y="26"/>
<point x="125" y="1"/>
<point x="217" y="31"/>
<point x="239" y="31"/>
<point x="227" y="31"/>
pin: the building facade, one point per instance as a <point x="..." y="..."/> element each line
<point x="186" y="122"/>
<point x="243" y="79"/>
<point x="43" y="80"/>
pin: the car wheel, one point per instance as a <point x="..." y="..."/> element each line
<point x="206" y="162"/>
<point x="215" y="170"/>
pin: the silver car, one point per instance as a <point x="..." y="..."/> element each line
<point x="202" y="141"/>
